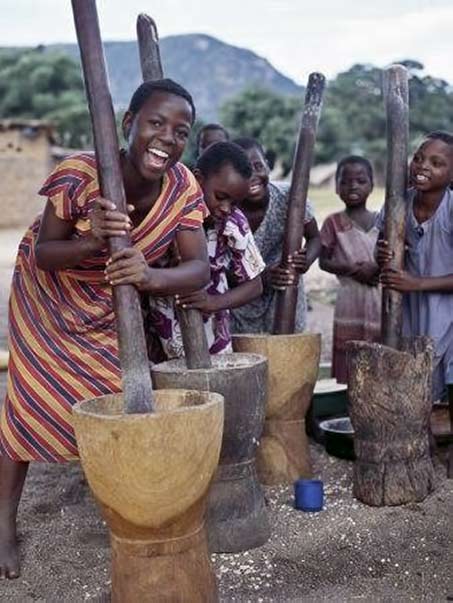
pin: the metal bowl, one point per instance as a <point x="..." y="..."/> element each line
<point x="338" y="437"/>
<point x="330" y="399"/>
<point x="324" y="371"/>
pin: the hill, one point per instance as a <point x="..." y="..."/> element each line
<point x="211" y="70"/>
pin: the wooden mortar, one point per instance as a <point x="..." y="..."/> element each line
<point x="283" y="455"/>
<point x="236" y="516"/>
<point x="151" y="473"/>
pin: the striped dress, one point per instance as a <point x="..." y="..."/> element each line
<point x="62" y="335"/>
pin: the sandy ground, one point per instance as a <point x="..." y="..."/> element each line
<point x="347" y="552"/>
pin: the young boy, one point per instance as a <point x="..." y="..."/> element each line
<point x="209" y="134"/>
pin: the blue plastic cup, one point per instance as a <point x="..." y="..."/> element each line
<point x="309" y="495"/>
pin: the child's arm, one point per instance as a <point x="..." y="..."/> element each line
<point x="366" y="273"/>
<point x="279" y="277"/>
<point x="55" y="250"/>
<point x="400" y="280"/>
<point x="403" y="281"/>
<point x="303" y="259"/>
<point x="233" y="298"/>
<point x="328" y="263"/>
<point x="327" y="260"/>
<point x="129" y="267"/>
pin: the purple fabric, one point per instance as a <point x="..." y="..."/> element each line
<point x="232" y="249"/>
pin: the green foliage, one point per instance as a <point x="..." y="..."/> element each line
<point x="48" y="86"/>
<point x="267" y="116"/>
<point x="353" y="116"/>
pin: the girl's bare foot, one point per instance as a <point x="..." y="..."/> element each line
<point x="9" y="554"/>
<point x="12" y="477"/>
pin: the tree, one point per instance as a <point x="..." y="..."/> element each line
<point x="45" y="85"/>
<point x="353" y="116"/>
<point x="267" y="116"/>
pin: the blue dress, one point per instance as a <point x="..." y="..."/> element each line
<point x="430" y="253"/>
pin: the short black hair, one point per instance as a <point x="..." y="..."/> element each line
<point x="219" y="154"/>
<point x="445" y="137"/>
<point x="145" y="90"/>
<point x="350" y="159"/>
<point x="247" y="143"/>
<point x="213" y="126"/>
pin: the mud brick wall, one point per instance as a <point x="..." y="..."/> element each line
<point x="25" y="162"/>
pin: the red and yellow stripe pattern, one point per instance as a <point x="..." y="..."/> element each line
<point x="62" y="339"/>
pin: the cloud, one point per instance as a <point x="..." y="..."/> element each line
<point x="296" y="37"/>
<point x="335" y="44"/>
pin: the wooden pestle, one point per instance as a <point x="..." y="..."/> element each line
<point x="137" y="387"/>
<point x="285" y="308"/>
<point x="191" y="322"/>
<point x="396" y="94"/>
<point x="148" y="46"/>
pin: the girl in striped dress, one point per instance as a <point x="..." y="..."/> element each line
<point x="63" y="345"/>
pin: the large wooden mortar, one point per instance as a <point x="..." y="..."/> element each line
<point x="390" y="407"/>
<point x="283" y="455"/>
<point x="150" y="473"/>
<point x="236" y="517"/>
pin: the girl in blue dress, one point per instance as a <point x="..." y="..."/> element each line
<point x="427" y="278"/>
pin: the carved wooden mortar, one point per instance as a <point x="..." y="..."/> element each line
<point x="236" y="518"/>
<point x="283" y="455"/>
<point x="151" y="473"/>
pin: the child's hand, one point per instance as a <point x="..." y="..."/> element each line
<point x="280" y="278"/>
<point x="298" y="260"/>
<point x="366" y="273"/>
<point x="384" y="254"/>
<point x="106" y="221"/>
<point x="400" y="280"/>
<point x="201" y="300"/>
<point x="128" y="267"/>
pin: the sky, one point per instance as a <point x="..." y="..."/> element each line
<point x="295" y="36"/>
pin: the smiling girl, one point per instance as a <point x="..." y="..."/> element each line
<point x="62" y="337"/>
<point x="427" y="278"/>
<point x="266" y="208"/>
<point x="223" y="172"/>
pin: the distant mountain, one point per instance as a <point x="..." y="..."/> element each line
<point x="210" y="69"/>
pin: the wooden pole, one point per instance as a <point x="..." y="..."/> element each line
<point x="137" y="388"/>
<point x="396" y="94"/>
<point x="148" y="46"/>
<point x="194" y="340"/>
<point x="285" y="308"/>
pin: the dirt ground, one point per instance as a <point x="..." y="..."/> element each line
<point x="347" y="552"/>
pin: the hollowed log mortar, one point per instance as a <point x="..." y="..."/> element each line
<point x="283" y="455"/>
<point x="390" y="407"/>
<point x="236" y="517"/>
<point x="150" y="474"/>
